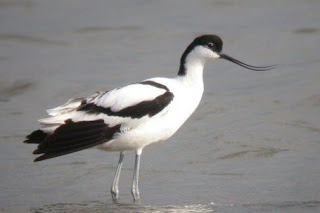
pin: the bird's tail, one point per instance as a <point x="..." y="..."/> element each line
<point x="71" y="137"/>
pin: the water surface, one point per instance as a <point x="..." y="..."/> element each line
<point x="252" y="145"/>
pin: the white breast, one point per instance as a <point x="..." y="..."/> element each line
<point x="163" y="125"/>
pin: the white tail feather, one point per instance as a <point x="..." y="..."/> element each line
<point x="56" y="120"/>
<point x="71" y="105"/>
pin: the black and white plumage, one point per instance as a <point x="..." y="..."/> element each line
<point x="131" y="117"/>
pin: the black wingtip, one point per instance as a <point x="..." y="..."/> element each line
<point x="36" y="160"/>
<point x="41" y="158"/>
<point x="36" y="137"/>
<point x="37" y="151"/>
<point x="73" y="137"/>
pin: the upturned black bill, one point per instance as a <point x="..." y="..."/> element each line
<point x="250" y="67"/>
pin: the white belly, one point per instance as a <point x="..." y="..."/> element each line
<point x="159" y="127"/>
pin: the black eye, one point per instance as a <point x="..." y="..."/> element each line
<point x="210" y="44"/>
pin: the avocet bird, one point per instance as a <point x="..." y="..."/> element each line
<point x="131" y="117"/>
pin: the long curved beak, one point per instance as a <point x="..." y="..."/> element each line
<point x="250" y="67"/>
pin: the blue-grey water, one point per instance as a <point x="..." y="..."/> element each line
<point x="253" y="145"/>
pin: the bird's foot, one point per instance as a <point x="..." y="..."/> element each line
<point x="136" y="196"/>
<point x="115" y="195"/>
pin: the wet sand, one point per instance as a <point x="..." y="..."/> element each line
<point x="252" y="145"/>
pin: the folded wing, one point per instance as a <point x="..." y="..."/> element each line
<point x="87" y="122"/>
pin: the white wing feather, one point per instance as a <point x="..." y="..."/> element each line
<point x="116" y="100"/>
<point x="127" y="96"/>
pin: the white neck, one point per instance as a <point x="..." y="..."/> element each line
<point x="193" y="66"/>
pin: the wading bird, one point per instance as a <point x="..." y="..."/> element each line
<point x="131" y="117"/>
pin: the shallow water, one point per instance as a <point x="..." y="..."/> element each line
<point x="252" y="145"/>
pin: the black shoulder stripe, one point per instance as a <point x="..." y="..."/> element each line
<point x="144" y="108"/>
<point x="155" y="84"/>
<point x="147" y="107"/>
<point x="75" y="136"/>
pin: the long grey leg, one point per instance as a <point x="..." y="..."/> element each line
<point x="135" y="183"/>
<point x="115" y="188"/>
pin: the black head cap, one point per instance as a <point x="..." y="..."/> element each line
<point x="212" y="42"/>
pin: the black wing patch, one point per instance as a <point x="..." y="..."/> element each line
<point x="155" y="84"/>
<point x="75" y="136"/>
<point x="139" y="110"/>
